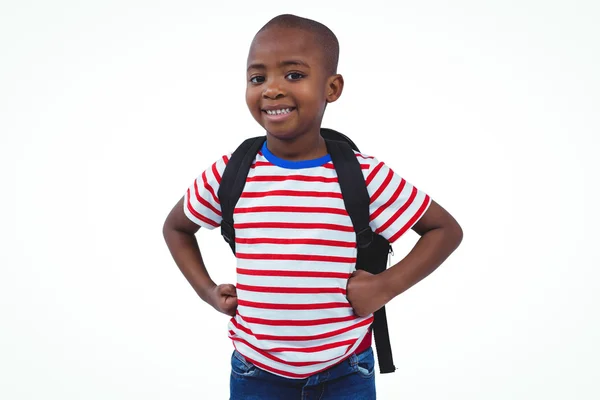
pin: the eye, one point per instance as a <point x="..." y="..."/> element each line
<point x="294" y="76"/>
<point x="257" y="79"/>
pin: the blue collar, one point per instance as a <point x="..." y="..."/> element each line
<point x="317" y="162"/>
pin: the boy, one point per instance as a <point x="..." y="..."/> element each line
<point x="300" y="310"/>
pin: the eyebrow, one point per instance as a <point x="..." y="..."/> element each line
<point x="281" y="64"/>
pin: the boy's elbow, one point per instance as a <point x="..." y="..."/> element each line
<point x="166" y="228"/>
<point x="456" y="233"/>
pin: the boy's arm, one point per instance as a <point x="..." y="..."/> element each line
<point x="179" y="233"/>
<point x="440" y="236"/>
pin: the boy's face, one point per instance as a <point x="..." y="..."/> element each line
<point x="288" y="85"/>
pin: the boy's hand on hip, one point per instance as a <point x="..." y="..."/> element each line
<point x="224" y="299"/>
<point x="365" y="294"/>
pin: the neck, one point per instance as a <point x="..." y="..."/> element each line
<point x="303" y="147"/>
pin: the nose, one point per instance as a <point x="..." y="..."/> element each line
<point x="273" y="89"/>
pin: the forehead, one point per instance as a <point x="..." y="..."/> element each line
<point x="277" y="44"/>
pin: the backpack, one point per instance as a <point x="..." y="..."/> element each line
<point x="373" y="249"/>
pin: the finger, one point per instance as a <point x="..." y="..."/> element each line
<point x="355" y="274"/>
<point x="362" y="274"/>
<point x="228" y="290"/>
<point x="231" y="300"/>
<point x="231" y="305"/>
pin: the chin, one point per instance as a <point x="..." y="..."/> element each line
<point x="282" y="133"/>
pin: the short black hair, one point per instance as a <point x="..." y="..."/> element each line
<point x="323" y="35"/>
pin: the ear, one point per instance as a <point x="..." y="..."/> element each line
<point x="335" y="86"/>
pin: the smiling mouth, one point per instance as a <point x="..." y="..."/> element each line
<point x="281" y="111"/>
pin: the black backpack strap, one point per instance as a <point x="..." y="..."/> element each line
<point x="330" y="134"/>
<point x="233" y="182"/>
<point x="354" y="189"/>
<point x="372" y="249"/>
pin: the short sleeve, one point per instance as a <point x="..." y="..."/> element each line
<point x="201" y="203"/>
<point x="396" y="205"/>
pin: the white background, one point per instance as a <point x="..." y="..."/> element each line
<point x="108" y="111"/>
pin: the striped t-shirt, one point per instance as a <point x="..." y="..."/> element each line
<point x="296" y="249"/>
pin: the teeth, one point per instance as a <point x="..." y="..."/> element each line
<point x="279" y="112"/>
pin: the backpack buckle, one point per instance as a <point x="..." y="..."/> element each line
<point x="227" y="232"/>
<point x="364" y="238"/>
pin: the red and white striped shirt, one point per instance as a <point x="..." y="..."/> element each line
<point x="296" y="249"/>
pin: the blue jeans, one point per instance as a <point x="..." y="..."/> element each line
<point x="352" y="379"/>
